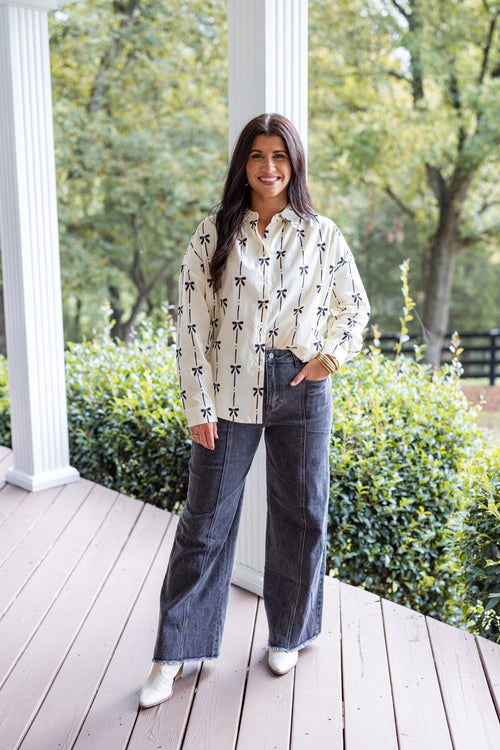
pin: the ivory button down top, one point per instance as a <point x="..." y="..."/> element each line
<point x="296" y="288"/>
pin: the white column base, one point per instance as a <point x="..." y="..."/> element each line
<point x="42" y="480"/>
<point x="248" y="578"/>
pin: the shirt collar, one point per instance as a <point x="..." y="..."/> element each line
<point x="288" y="214"/>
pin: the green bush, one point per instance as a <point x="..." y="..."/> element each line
<point x="399" y="435"/>
<point x="125" y="420"/>
<point x="5" y="438"/>
<point x="475" y="542"/>
<point x="126" y="424"/>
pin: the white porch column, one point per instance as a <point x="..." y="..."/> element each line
<point x="30" y="250"/>
<point x="267" y="60"/>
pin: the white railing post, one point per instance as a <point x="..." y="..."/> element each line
<point x="30" y="250"/>
<point x="267" y="61"/>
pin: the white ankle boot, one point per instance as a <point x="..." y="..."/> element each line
<point x="281" y="662"/>
<point x="160" y="684"/>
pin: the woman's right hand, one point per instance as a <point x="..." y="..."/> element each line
<point x="205" y="434"/>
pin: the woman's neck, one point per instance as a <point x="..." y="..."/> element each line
<point x="267" y="209"/>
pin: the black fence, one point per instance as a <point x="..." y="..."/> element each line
<point x="480" y="357"/>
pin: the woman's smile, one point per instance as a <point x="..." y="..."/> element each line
<point x="268" y="168"/>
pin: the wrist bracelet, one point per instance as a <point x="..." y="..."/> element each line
<point x="328" y="362"/>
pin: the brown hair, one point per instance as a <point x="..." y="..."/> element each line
<point x="236" y="192"/>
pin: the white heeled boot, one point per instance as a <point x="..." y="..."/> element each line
<point x="281" y="662"/>
<point x="160" y="684"/>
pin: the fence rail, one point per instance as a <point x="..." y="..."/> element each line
<point x="480" y="357"/>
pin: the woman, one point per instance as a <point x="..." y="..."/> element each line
<point x="271" y="304"/>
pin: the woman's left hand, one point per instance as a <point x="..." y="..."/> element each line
<point x="205" y="434"/>
<point x="313" y="370"/>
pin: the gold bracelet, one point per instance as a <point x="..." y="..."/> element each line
<point x="325" y="362"/>
<point x="329" y="362"/>
<point x="333" y="361"/>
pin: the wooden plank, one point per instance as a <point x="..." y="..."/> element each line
<point x="317" y="710"/>
<point x="23" y="519"/>
<point x="163" y="726"/>
<point x="10" y="497"/>
<point x="490" y="657"/>
<point x="267" y="711"/>
<point x="20" y="622"/>
<point x="34" y="672"/>
<point x="469" y="706"/>
<point x="369" y="713"/>
<point x="4" y="451"/>
<point x="420" y="715"/>
<point x="215" y="717"/>
<point x="113" y="713"/>
<point x="78" y="679"/>
<point x="27" y="555"/>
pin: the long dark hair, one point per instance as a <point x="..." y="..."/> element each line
<point x="236" y="193"/>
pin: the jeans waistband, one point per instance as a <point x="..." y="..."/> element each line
<point x="282" y="355"/>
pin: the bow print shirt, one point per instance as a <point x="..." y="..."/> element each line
<point x="296" y="288"/>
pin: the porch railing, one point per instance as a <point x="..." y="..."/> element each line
<point x="480" y="357"/>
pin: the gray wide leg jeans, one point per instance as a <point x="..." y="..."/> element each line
<point x="193" y="602"/>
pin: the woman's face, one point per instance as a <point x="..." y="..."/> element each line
<point x="269" y="169"/>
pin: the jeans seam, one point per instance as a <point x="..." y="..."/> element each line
<point x="304" y="527"/>
<point x="207" y="551"/>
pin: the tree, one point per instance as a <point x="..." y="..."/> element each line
<point x="405" y="99"/>
<point x="140" y="104"/>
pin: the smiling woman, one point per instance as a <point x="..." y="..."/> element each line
<point x="268" y="173"/>
<point x="270" y="303"/>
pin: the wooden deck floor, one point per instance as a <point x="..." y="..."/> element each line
<point x="80" y="572"/>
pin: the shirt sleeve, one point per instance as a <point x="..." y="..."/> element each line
<point x="349" y="310"/>
<point x="194" y="328"/>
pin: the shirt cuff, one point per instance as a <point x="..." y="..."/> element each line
<point x="200" y="414"/>
<point x="337" y="351"/>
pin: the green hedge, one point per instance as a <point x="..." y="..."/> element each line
<point x="126" y="423"/>
<point x="475" y="543"/>
<point x="5" y="438"/>
<point x="125" y="419"/>
<point x="399" y="436"/>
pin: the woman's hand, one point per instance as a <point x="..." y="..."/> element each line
<point x="313" y="370"/>
<point x="205" y="434"/>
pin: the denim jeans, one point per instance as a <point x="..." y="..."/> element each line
<point x="193" y="601"/>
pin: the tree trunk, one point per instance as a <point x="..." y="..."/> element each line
<point x="441" y="267"/>
<point x="450" y="195"/>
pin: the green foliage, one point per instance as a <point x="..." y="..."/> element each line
<point x="5" y="438"/>
<point x="140" y="105"/>
<point x="140" y="118"/>
<point x="402" y="101"/>
<point x="475" y="543"/>
<point x="126" y="424"/>
<point x="399" y="436"/>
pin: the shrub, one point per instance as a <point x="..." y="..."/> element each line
<point x="475" y="541"/>
<point x="399" y="435"/>
<point x="126" y="424"/>
<point x="5" y="437"/>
